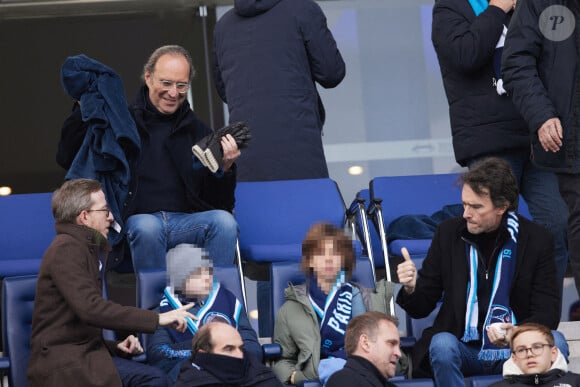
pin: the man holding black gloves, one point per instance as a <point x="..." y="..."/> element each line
<point x="171" y="198"/>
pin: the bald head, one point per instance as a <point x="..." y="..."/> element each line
<point x="218" y="338"/>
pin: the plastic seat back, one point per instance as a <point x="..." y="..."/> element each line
<point x="17" y="307"/>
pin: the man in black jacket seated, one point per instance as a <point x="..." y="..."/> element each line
<point x="171" y="198"/>
<point x="372" y="346"/>
<point x="219" y="359"/>
<point x="491" y="268"/>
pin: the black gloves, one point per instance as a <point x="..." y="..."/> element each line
<point x="209" y="149"/>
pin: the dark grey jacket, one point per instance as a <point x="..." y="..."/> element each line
<point x="539" y="73"/>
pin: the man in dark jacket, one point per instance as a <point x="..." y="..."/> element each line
<point x="372" y="345"/>
<point x="67" y="346"/>
<point x="468" y="37"/>
<point x="219" y="359"/>
<point x="269" y="55"/>
<point x="171" y="199"/>
<point x="491" y="266"/>
<point x="540" y="67"/>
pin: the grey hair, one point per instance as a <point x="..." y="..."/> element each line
<point x="72" y="198"/>
<point x="175" y="50"/>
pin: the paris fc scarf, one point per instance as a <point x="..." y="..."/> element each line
<point x="478" y="7"/>
<point x="220" y="305"/>
<point x="499" y="309"/>
<point x="334" y="312"/>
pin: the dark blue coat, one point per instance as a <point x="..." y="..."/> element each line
<point x="269" y="55"/>
<point x="539" y="74"/>
<point x="482" y="122"/>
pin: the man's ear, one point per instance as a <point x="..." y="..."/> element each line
<point x="82" y="218"/>
<point x="363" y="343"/>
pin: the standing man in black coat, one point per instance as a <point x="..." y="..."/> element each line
<point x="490" y="268"/>
<point x="372" y="345"/>
<point x="468" y="37"/>
<point x="540" y="67"/>
<point x="269" y="56"/>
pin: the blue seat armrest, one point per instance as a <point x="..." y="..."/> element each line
<point x="408" y="342"/>
<point x="271" y="352"/>
<point x="4" y="363"/>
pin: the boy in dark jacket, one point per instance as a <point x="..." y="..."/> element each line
<point x="535" y="360"/>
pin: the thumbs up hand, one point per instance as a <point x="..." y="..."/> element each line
<point x="407" y="272"/>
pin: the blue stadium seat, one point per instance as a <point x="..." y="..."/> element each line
<point x="17" y="306"/>
<point x="414" y="382"/>
<point x="27" y="228"/>
<point x="482" y="380"/>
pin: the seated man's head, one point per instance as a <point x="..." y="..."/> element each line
<point x="374" y="336"/>
<point x="168" y="74"/>
<point x="82" y="202"/>
<point x="218" y="338"/>
<point x="326" y="250"/>
<point x="489" y="190"/>
<point x="533" y="349"/>
<point x="189" y="271"/>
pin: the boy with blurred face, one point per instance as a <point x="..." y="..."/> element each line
<point x="535" y="360"/>
<point x="191" y="281"/>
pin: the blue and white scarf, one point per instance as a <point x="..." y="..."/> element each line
<point x="221" y="304"/>
<point x="499" y="309"/>
<point x="334" y="312"/>
<point x="478" y="7"/>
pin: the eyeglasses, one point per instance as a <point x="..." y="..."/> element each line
<point x="166" y="85"/>
<point x="105" y="210"/>
<point x="537" y="349"/>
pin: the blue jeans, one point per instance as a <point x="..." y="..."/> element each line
<point x="540" y="190"/>
<point x="151" y="235"/>
<point x="135" y="374"/>
<point x="452" y="360"/>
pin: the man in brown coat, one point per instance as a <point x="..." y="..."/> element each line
<point x="67" y="346"/>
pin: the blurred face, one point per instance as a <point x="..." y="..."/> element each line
<point x="198" y="284"/>
<point x="385" y="352"/>
<point x="479" y="212"/>
<point x="169" y="70"/>
<point x="326" y="262"/>
<point x="98" y="216"/>
<point x="531" y="363"/>
<point x="226" y="341"/>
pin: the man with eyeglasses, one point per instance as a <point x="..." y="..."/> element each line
<point x="67" y="346"/>
<point x="535" y="360"/>
<point x="171" y="198"/>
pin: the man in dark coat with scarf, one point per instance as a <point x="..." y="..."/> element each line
<point x="219" y="359"/>
<point x="468" y="37"/>
<point x="170" y="197"/>
<point x="540" y="64"/>
<point x="491" y="268"/>
<point x="269" y="56"/>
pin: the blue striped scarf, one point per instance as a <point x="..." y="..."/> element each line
<point x="498" y="309"/>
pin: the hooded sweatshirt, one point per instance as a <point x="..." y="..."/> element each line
<point x="556" y="376"/>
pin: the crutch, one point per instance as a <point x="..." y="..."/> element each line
<point x="241" y="274"/>
<point x="357" y="207"/>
